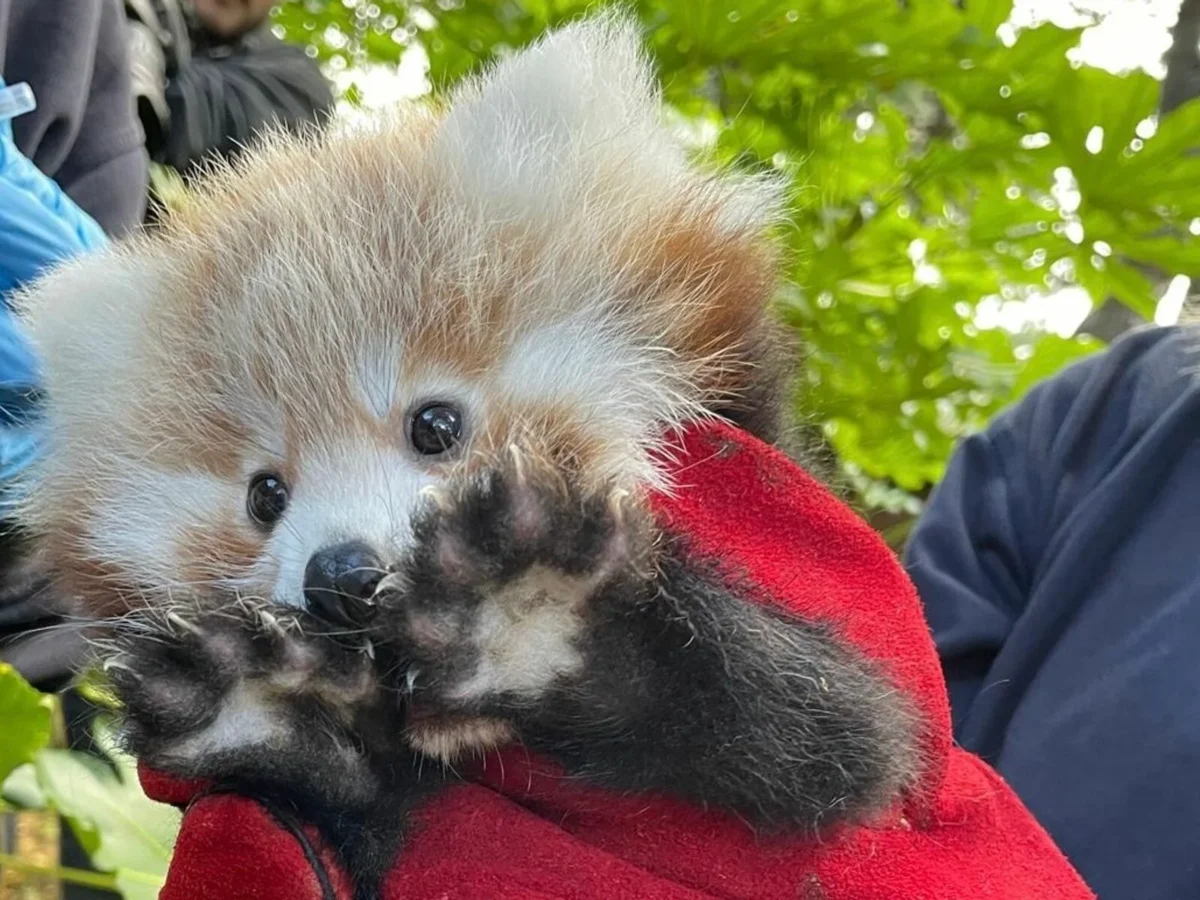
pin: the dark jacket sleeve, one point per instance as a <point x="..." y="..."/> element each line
<point x="219" y="104"/>
<point x="980" y="545"/>
<point x="84" y="133"/>
<point x="975" y="550"/>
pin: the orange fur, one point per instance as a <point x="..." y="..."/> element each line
<point x="541" y="252"/>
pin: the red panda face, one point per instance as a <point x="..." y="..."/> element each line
<point x="257" y="399"/>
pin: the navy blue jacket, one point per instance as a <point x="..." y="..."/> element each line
<point x="1059" y="562"/>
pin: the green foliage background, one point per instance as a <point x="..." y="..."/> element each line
<point x="939" y="161"/>
<point x="128" y="837"/>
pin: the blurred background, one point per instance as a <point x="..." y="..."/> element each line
<point x="982" y="192"/>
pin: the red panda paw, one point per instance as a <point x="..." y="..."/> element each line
<point x="219" y="691"/>
<point x="496" y="598"/>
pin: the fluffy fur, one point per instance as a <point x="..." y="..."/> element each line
<point x="543" y="255"/>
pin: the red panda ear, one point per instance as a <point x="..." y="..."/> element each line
<point x="527" y="139"/>
<point x="712" y="286"/>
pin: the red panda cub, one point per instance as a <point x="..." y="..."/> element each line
<point x="352" y="459"/>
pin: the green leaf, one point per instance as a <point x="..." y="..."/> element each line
<point x="22" y="790"/>
<point x="1176" y="137"/>
<point x="1051" y="354"/>
<point x="135" y="885"/>
<point x="26" y="717"/>
<point x="1116" y="279"/>
<point x="988" y="15"/>
<point x="122" y="830"/>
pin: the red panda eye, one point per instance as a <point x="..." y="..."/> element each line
<point x="266" y="500"/>
<point x="436" y="428"/>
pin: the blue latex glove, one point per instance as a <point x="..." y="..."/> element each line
<point x="39" y="226"/>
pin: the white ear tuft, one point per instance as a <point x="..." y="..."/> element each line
<point x="543" y="123"/>
<point x="86" y="318"/>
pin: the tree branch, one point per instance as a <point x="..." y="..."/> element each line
<point x="1182" y="82"/>
<point x="1111" y="319"/>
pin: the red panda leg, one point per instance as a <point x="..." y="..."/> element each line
<point x="562" y="615"/>
<point x="257" y="699"/>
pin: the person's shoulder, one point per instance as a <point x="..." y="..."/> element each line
<point x="1092" y="414"/>
<point x="1146" y="371"/>
<point x="1151" y="365"/>
<point x="1160" y="362"/>
<point x="1170" y="352"/>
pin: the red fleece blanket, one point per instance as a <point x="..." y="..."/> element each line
<point x="518" y="831"/>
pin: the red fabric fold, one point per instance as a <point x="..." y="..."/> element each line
<point x="519" y="831"/>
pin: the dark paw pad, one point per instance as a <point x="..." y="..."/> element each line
<point x="495" y="596"/>
<point x="200" y="685"/>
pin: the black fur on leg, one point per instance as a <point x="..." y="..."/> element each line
<point x="529" y="600"/>
<point x="694" y="689"/>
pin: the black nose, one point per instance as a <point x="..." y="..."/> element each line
<point x="338" y="579"/>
